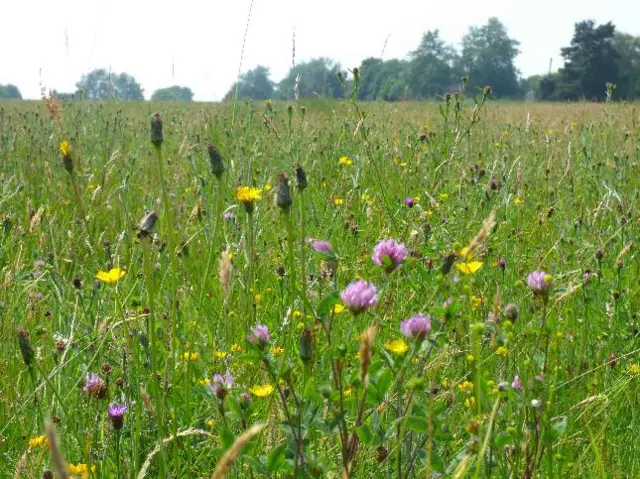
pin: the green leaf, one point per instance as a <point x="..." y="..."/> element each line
<point x="384" y="381"/>
<point x="226" y="438"/>
<point x="365" y="435"/>
<point x="503" y="438"/>
<point x="416" y="423"/>
<point x="276" y="458"/>
<point x="326" y="305"/>
<point x="559" y="425"/>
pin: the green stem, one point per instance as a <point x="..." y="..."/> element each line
<point x="291" y="258"/>
<point x="303" y="221"/>
<point x="250" y="241"/>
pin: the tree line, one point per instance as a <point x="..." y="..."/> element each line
<point x="600" y="61"/>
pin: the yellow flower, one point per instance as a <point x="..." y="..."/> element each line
<point x="297" y="314"/>
<point x="345" y="160"/>
<point x="65" y="148"/>
<point x="277" y="350"/>
<point x="397" y="346"/>
<point x="257" y="298"/>
<point x="428" y="213"/>
<point x="338" y="201"/>
<point x="300" y="325"/>
<point x="220" y="354"/>
<point x="338" y="308"/>
<point x="470" y="402"/>
<point x="80" y="469"/>
<point x="445" y="383"/>
<point x="634" y="369"/>
<point x="347" y="392"/>
<point x="466" y="387"/>
<point x="443" y="196"/>
<point x="261" y="391"/>
<point x="502" y="351"/>
<point x="210" y="422"/>
<point x="203" y="382"/>
<point x="236" y="348"/>
<point x="267" y="187"/>
<point x="39" y="441"/>
<point x="190" y="356"/>
<point x="476" y="302"/>
<point x="471" y="267"/>
<point x="112" y="276"/>
<point x="248" y="195"/>
<point x="517" y="201"/>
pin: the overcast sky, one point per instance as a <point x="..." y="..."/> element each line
<point x="198" y="43"/>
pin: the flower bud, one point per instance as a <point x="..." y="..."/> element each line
<point x="283" y="193"/>
<point x="306" y="342"/>
<point x="156" y="130"/>
<point x="301" y="177"/>
<point x="215" y="159"/>
<point x="25" y="346"/>
<point x="147" y="223"/>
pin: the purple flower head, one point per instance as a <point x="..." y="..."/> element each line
<point x="259" y="335"/>
<point x="540" y="283"/>
<point x="228" y="216"/>
<point x="516" y="385"/>
<point x="359" y="295"/>
<point x="95" y="386"/>
<point x="502" y="262"/>
<point x="245" y="399"/>
<point x="586" y="277"/>
<point x="221" y="384"/>
<point x="389" y="254"/>
<point x="116" y="415"/>
<point x="409" y="202"/>
<point x="321" y="246"/>
<point x="416" y="327"/>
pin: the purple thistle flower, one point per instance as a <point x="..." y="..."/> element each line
<point x="321" y="246"/>
<point x="116" y="415"/>
<point x="221" y="384"/>
<point x="389" y="254"/>
<point x="502" y="262"/>
<point x="95" y="386"/>
<point x="516" y="385"/>
<point x="540" y="283"/>
<point x="409" y="202"/>
<point x="259" y="335"/>
<point x="245" y="399"/>
<point x="359" y="295"/>
<point x="416" y="327"/>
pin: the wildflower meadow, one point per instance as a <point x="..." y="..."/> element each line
<point x="319" y="289"/>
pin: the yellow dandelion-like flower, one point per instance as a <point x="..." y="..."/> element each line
<point x="338" y="201"/>
<point x="345" y="161"/>
<point x="465" y="387"/>
<point x="502" y="351"/>
<point x="338" y="308"/>
<point x="39" y="441"/>
<point x="277" y="350"/>
<point x="518" y="201"/>
<point x="220" y="354"/>
<point x="634" y="369"/>
<point x="346" y="393"/>
<point x="296" y="314"/>
<point x="261" y="391"/>
<point x="257" y="298"/>
<point x="210" y="422"/>
<point x="65" y="148"/>
<point x="248" y="195"/>
<point x="397" y="346"/>
<point x="112" y="276"/>
<point x="80" y="470"/>
<point x="236" y="348"/>
<point x="471" y="267"/>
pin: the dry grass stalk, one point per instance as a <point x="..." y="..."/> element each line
<point x="229" y="458"/>
<point x="479" y="239"/>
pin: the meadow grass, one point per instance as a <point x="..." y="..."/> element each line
<point x="514" y="378"/>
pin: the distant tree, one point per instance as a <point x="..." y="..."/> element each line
<point x="173" y="93"/>
<point x="431" y="67"/>
<point x="253" y="85"/>
<point x="383" y="80"/>
<point x="589" y="62"/>
<point x="628" y="49"/>
<point x="530" y="86"/>
<point x="487" y="57"/>
<point x="102" y="85"/>
<point x="10" y="91"/>
<point x="317" y="78"/>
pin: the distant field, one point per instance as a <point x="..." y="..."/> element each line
<point x="499" y="374"/>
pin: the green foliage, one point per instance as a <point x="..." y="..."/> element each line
<point x="173" y="93"/>
<point x="312" y="79"/>
<point x="101" y="84"/>
<point x="383" y="80"/>
<point x="431" y="68"/>
<point x="10" y="92"/>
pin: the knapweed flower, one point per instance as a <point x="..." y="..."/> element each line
<point x="389" y="254"/>
<point x="95" y="386"/>
<point x="345" y="161"/>
<point x="112" y="276"/>
<point x="116" y="415"/>
<point x="248" y="195"/>
<point x="416" y="327"/>
<point x="359" y="296"/>
<point x="409" y="202"/>
<point x="321" y="246"/>
<point x="283" y="193"/>
<point x="261" y="391"/>
<point x="511" y="311"/>
<point x="540" y="283"/>
<point x="39" y="441"/>
<point x="221" y="384"/>
<point x="259" y="335"/>
<point x="397" y="346"/>
<point x="516" y="385"/>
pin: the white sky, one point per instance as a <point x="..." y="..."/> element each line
<point x="198" y="43"/>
